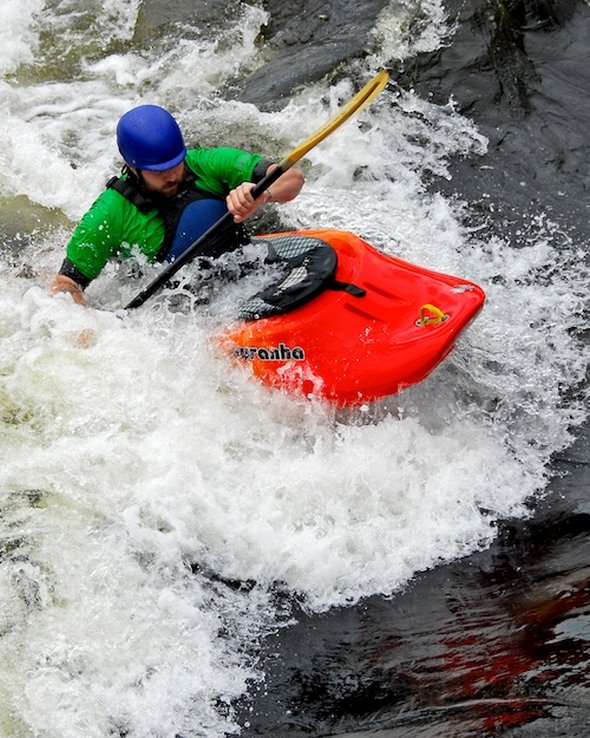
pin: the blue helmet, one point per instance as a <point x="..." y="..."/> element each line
<point x="149" y="138"/>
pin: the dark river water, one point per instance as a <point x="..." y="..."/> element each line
<point x="494" y="644"/>
<point x="182" y="554"/>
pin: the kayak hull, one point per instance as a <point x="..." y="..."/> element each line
<point x="349" y="348"/>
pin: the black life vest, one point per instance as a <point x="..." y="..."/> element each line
<point x="172" y="209"/>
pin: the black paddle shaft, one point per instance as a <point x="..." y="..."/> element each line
<point x="197" y="246"/>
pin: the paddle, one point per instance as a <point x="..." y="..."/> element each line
<point x="362" y="98"/>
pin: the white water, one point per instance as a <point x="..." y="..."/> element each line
<point x="126" y="462"/>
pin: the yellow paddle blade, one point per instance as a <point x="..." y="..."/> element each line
<point x="363" y="97"/>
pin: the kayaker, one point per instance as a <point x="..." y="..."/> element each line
<point x="165" y="198"/>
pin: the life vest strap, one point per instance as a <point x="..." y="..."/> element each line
<point x="131" y="192"/>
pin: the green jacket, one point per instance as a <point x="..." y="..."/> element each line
<point x="114" y="227"/>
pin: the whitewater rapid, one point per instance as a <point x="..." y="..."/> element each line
<point x="142" y="478"/>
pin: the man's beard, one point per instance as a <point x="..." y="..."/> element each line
<point x="170" y="190"/>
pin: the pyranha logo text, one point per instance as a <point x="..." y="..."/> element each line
<point x="264" y="353"/>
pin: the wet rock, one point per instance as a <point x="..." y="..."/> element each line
<point x="304" y="42"/>
<point x="514" y="68"/>
<point x="156" y="17"/>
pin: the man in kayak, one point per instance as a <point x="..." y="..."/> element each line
<point x="165" y="198"/>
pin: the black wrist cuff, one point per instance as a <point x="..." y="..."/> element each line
<point x="67" y="269"/>
<point x="260" y="170"/>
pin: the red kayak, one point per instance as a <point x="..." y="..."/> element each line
<point x="347" y="323"/>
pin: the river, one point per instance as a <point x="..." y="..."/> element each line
<point x="183" y="553"/>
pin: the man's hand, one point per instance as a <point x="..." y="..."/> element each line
<point x="241" y="204"/>
<point x="62" y="283"/>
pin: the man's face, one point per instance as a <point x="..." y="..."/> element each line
<point x="167" y="182"/>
